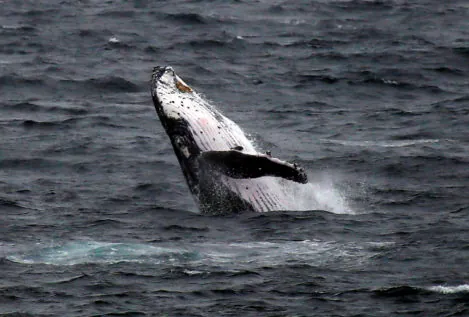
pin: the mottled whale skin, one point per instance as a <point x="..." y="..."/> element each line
<point x="224" y="171"/>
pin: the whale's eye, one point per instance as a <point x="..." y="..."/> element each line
<point x="182" y="87"/>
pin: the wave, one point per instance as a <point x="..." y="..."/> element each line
<point x="388" y="77"/>
<point x="102" y="84"/>
<point x="400" y="291"/>
<point x="317" y="43"/>
<point x="27" y="163"/>
<point x="203" y="43"/>
<point x="464" y="288"/>
<point x="109" y="83"/>
<point x="314" y="43"/>
<point x="302" y="79"/>
<point x="33" y="124"/>
<point x="462" y="50"/>
<point x="208" y="43"/>
<point x="396" y="83"/>
<point x="23" y="106"/>
<point x="151" y="49"/>
<point x="385" y="144"/>
<point x="406" y="290"/>
<point x="367" y="5"/>
<point x="92" y="121"/>
<point x="88" y="33"/>
<point x="117" y="13"/>
<point x="391" y="77"/>
<point x="41" y="12"/>
<point x="455" y="106"/>
<point x="189" y="18"/>
<point x="16" y="80"/>
<point x="5" y="203"/>
<point x="181" y="228"/>
<point x="392" y="111"/>
<point x="17" y="29"/>
<point x="447" y="70"/>
<point x="88" y="121"/>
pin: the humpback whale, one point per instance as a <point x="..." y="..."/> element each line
<point x="224" y="171"/>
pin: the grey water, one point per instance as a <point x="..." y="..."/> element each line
<point x="370" y="97"/>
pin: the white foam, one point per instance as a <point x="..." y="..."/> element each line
<point x="79" y="252"/>
<point x="10" y="27"/>
<point x="193" y="272"/>
<point x="464" y="288"/>
<point x="114" y="40"/>
<point x="262" y="253"/>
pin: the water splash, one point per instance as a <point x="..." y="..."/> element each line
<point x="322" y="193"/>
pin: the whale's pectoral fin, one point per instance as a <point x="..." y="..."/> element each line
<point x="237" y="164"/>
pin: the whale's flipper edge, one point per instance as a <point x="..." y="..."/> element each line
<point x="237" y="164"/>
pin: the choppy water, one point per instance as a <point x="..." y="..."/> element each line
<point x="371" y="97"/>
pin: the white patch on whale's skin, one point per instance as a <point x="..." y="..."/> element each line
<point x="212" y="131"/>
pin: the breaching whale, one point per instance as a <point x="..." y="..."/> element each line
<point x="224" y="171"/>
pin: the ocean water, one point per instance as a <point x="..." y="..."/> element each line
<point x="370" y="97"/>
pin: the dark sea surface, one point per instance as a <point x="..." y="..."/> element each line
<point x="370" y="97"/>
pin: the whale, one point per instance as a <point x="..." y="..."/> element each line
<point x="223" y="169"/>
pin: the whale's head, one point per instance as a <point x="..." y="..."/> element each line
<point x="192" y="124"/>
<point x="170" y="95"/>
<point x="176" y="105"/>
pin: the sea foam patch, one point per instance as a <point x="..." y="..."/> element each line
<point x="80" y="252"/>
<point x="211" y="256"/>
